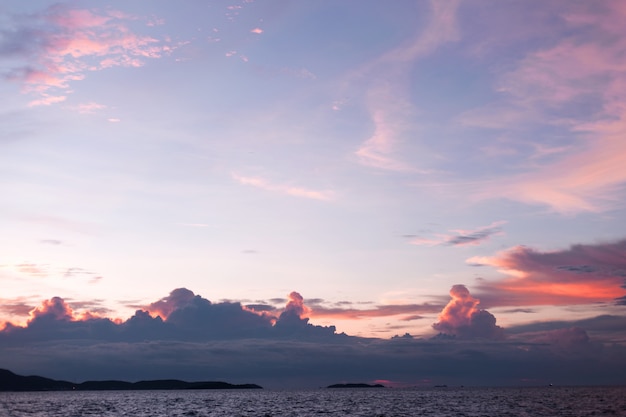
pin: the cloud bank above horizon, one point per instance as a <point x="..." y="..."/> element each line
<point x="439" y="184"/>
<point x="190" y="337"/>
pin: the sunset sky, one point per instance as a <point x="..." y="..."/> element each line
<point x="255" y="172"/>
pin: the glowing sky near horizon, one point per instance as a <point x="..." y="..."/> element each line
<point x="370" y="156"/>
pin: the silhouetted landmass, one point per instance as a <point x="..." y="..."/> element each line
<point x="359" y="385"/>
<point x="13" y="382"/>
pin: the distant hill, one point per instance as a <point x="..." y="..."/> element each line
<point x="13" y="382"/>
<point x="359" y="385"/>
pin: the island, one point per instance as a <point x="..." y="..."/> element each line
<point x="356" y="385"/>
<point x="10" y="381"/>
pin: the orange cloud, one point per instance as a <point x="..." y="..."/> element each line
<point x="588" y="173"/>
<point x="295" y="305"/>
<point x="582" y="274"/>
<point x="55" y="308"/>
<point x="459" y="310"/>
<point x="462" y="317"/>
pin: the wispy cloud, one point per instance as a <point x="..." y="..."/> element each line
<point x="389" y="107"/>
<point x="461" y="237"/>
<point x="284" y="189"/>
<point x="62" y="44"/>
<point x="586" y="171"/>
<point x="344" y="313"/>
<point x="37" y="270"/>
<point x="89" y="108"/>
<point x="47" y="270"/>
<point x="54" y="242"/>
<point x="581" y="274"/>
<point x="46" y="100"/>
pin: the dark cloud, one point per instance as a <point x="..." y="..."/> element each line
<point x="296" y="363"/>
<point x="181" y="315"/>
<point x="520" y="310"/>
<point x="260" y="307"/>
<point x="178" y="298"/>
<point x="474" y="237"/>
<point x="411" y="318"/>
<point x="460" y="237"/>
<point x="17" y="307"/>
<point x="54" y="242"/>
<point x="341" y="312"/>
<point x="607" y="328"/>
<point x="192" y="338"/>
<point x="580" y="274"/>
<point x="569" y="340"/>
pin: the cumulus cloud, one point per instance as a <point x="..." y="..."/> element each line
<point x="198" y="338"/>
<point x="580" y="274"/>
<point x="182" y="315"/>
<point x="178" y="298"/>
<point x="295" y="305"/>
<point x="55" y="309"/>
<point x="461" y="317"/>
<point x="293" y="320"/>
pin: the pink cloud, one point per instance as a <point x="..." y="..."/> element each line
<point x="55" y="308"/>
<point x="462" y="317"/>
<point x="33" y="269"/>
<point x="64" y="44"/>
<point x="46" y="100"/>
<point x="581" y="274"/>
<point x="88" y="108"/>
<point x="258" y="31"/>
<point x="587" y="173"/>
<point x="284" y="189"/>
<point x="295" y="305"/>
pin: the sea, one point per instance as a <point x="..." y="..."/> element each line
<point x="435" y="402"/>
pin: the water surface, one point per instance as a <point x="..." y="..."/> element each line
<point x="548" y="401"/>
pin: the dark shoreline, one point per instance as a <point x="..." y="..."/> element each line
<point x="10" y="381"/>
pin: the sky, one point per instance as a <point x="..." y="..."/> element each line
<point x="305" y="193"/>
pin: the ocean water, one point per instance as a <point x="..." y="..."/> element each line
<point x="500" y="402"/>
